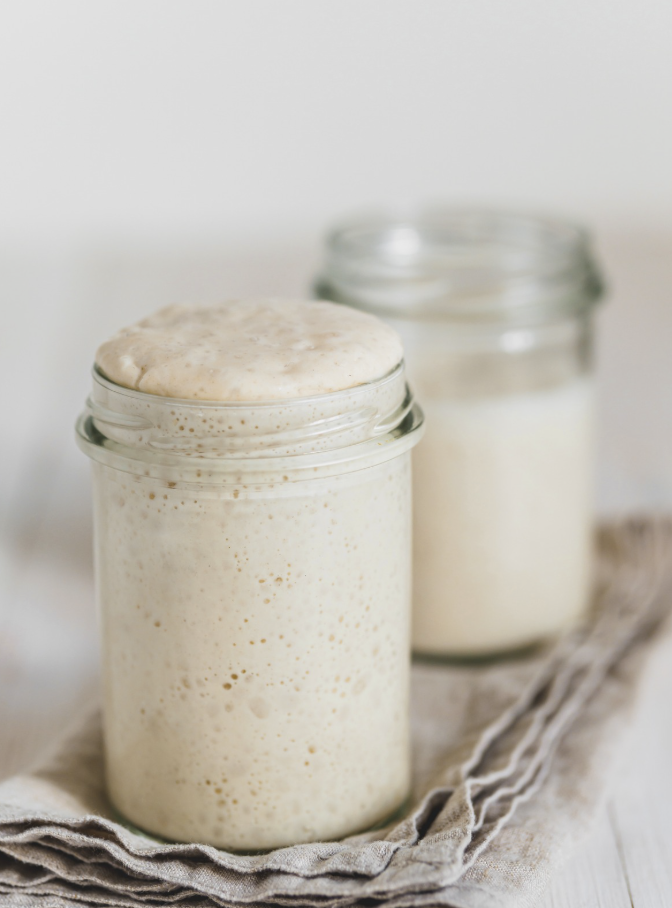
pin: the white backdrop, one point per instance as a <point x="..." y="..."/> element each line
<point x="161" y="150"/>
<point x="200" y="118"/>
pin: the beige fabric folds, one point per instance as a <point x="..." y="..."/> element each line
<point x="512" y="762"/>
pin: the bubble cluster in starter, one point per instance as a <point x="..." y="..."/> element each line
<point x="253" y="671"/>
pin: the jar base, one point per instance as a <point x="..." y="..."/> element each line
<point x="156" y="839"/>
<point x="513" y="654"/>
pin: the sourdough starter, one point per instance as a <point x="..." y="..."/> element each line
<point x="256" y="626"/>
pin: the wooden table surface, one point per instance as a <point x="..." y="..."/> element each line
<point x="56" y="308"/>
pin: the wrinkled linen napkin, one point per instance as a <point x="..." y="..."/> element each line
<point x="511" y="764"/>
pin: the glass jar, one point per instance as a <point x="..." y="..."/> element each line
<point x="496" y="314"/>
<point x="253" y="569"/>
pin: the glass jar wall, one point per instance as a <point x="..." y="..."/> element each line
<point x="253" y="573"/>
<point x="495" y="312"/>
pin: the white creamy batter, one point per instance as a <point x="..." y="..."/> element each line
<point x="502" y="519"/>
<point x="256" y="631"/>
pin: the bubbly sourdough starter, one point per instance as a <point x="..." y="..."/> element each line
<point x="503" y="520"/>
<point x="256" y="634"/>
<point x="250" y="350"/>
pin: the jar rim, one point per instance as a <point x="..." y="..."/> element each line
<point x="208" y="442"/>
<point x="461" y="263"/>
<point x="100" y="378"/>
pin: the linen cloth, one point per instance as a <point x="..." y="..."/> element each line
<point x="511" y="765"/>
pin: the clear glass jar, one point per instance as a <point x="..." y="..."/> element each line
<point x="496" y="314"/>
<point x="253" y="567"/>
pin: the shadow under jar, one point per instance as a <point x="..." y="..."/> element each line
<point x="253" y="574"/>
<point x="495" y="311"/>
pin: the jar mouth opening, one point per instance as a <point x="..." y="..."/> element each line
<point x="461" y="263"/>
<point x="99" y="378"/>
<point x="136" y="431"/>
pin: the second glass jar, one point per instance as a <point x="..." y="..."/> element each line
<point x="496" y="314"/>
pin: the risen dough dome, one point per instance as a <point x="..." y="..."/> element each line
<point x="250" y="350"/>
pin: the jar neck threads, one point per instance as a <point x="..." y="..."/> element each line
<point x="136" y="431"/>
<point x="464" y="265"/>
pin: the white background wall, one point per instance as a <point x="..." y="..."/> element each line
<point x="194" y="118"/>
<point x="154" y="150"/>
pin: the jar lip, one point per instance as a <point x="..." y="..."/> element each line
<point x="339" y="431"/>
<point x="101" y="379"/>
<point x="461" y="263"/>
